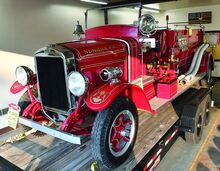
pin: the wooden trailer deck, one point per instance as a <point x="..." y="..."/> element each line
<point x="49" y="153"/>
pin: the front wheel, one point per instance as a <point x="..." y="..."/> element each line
<point x="114" y="133"/>
<point x="24" y="100"/>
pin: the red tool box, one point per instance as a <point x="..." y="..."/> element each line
<point x="167" y="87"/>
<point x="148" y="87"/>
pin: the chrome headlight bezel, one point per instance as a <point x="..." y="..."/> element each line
<point x="23" y="75"/>
<point x="147" y="24"/>
<point x="78" y="83"/>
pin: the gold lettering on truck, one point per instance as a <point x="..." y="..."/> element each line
<point x="97" y="50"/>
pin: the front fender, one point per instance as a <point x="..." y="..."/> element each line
<point x="103" y="96"/>
<point x="16" y="87"/>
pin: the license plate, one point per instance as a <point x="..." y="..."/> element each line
<point x="13" y="115"/>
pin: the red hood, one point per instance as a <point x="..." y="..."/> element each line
<point x="87" y="48"/>
<point x="97" y="52"/>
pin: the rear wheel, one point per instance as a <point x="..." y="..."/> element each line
<point x="206" y="117"/>
<point x="207" y="81"/>
<point x="114" y="133"/>
<point x="195" y="137"/>
<point x="209" y="73"/>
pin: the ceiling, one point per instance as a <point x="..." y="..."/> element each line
<point x="172" y="4"/>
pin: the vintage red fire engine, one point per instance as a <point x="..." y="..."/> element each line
<point x="94" y="86"/>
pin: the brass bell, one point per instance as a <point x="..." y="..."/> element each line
<point x="78" y="30"/>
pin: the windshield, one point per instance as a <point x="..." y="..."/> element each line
<point x="111" y="16"/>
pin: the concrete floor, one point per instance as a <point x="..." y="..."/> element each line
<point x="209" y="156"/>
<point x="204" y="156"/>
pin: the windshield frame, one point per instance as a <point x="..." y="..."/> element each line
<point x="139" y="4"/>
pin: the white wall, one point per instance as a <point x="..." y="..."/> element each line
<point x="122" y="16"/>
<point x="181" y="15"/>
<point x="129" y="15"/>
<point x="27" y="25"/>
<point x="178" y="15"/>
<point x="8" y="64"/>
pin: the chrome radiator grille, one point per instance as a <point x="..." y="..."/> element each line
<point x="51" y="73"/>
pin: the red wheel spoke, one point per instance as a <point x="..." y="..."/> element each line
<point x="120" y="120"/>
<point x="116" y="146"/>
<point x="126" y="139"/>
<point x="127" y="122"/>
<point x="121" y="132"/>
<point x="114" y="134"/>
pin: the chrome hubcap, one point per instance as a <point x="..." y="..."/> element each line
<point x="121" y="133"/>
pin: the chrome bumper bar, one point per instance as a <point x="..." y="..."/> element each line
<point x="51" y="131"/>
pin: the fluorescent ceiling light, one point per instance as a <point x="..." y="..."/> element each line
<point x="153" y="6"/>
<point x="96" y="2"/>
<point x="148" y="9"/>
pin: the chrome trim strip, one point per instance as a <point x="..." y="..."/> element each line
<point x="56" y="110"/>
<point x="51" y="131"/>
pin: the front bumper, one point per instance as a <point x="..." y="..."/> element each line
<point x="51" y="131"/>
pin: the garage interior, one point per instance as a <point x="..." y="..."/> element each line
<point x="27" y="26"/>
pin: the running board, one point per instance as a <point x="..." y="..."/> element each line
<point x="51" y="131"/>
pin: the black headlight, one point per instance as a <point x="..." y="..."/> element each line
<point x="24" y="75"/>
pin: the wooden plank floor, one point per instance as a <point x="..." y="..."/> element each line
<point x="49" y="153"/>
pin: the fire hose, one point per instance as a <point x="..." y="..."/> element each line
<point x="194" y="67"/>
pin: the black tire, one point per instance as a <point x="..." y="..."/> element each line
<point x="206" y="115"/>
<point x="209" y="73"/>
<point x="23" y="102"/>
<point x="195" y="137"/>
<point x="207" y="81"/>
<point x="104" y="132"/>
